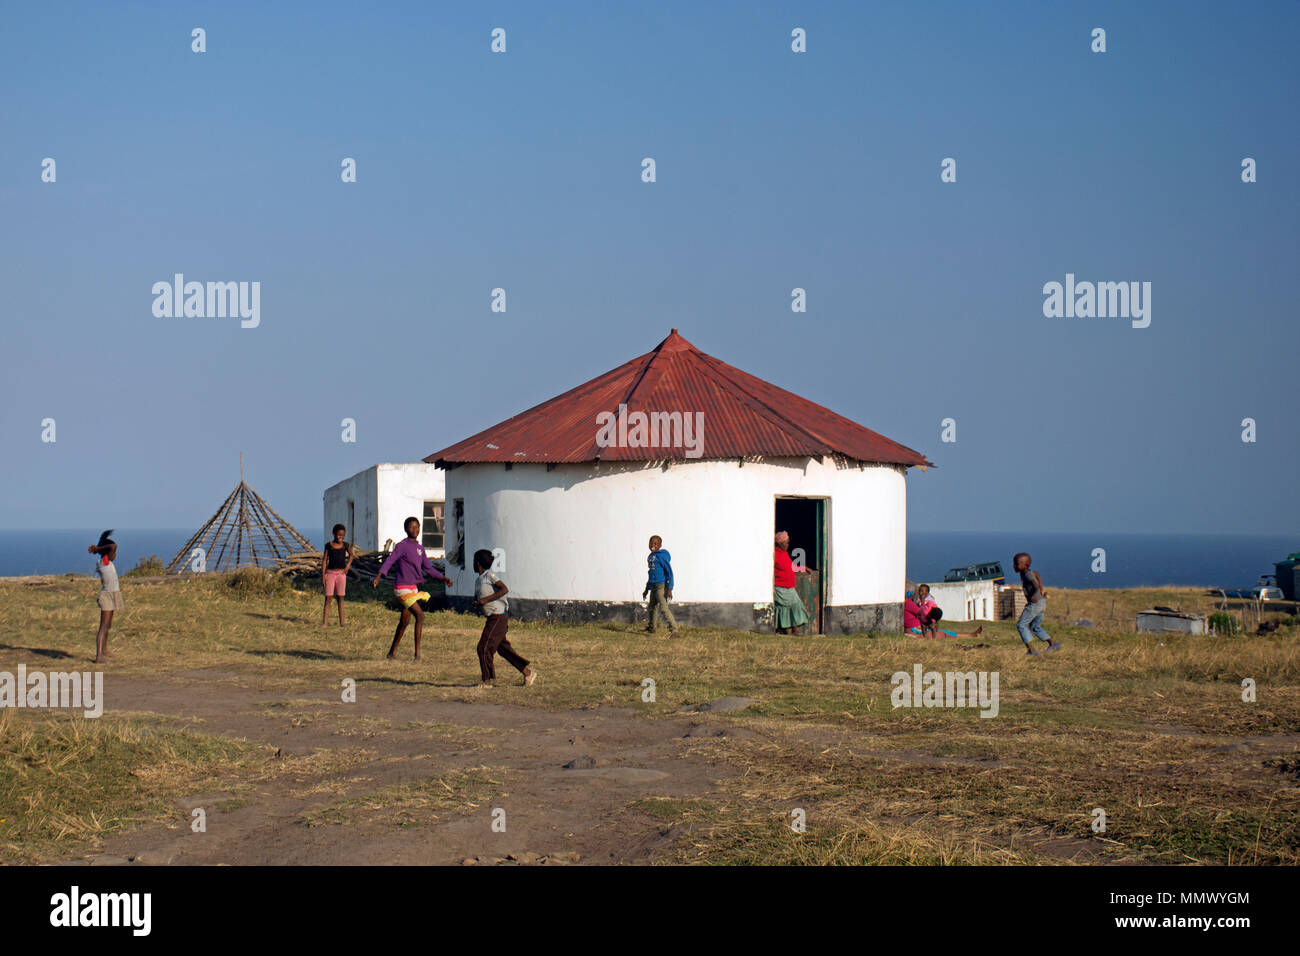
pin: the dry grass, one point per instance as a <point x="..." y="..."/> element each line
<point x="419" y="803"/>
<point x="66" y="781"/>
<point x="1151" y="729"/>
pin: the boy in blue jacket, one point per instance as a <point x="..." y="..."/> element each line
<point x="659" y="585"/>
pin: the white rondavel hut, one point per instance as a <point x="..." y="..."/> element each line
<point x="715" y="461"/>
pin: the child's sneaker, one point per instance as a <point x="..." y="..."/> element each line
<point x="1054" y="646"/>
<point x="530" y="675"/>
<point x="1030" y="652"/>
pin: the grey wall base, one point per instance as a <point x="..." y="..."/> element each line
<point x="842" y="619"/>
<point x="863" y="619"/>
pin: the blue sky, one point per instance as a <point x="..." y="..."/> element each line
<point x="775" y="170"/>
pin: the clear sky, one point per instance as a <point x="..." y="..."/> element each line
<point x="775" y="170"/>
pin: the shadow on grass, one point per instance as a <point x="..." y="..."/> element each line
<point x="619" y="627"/>
<point x="414" y="683"/>
<point x="38" y="651"/>
<point x="302" y="655"/>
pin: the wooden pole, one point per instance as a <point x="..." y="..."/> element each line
<point x="183" y="554"/>
<point x="227" y="518"/>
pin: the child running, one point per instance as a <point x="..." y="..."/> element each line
<point x="334" y="566"/>
<point x="490" y="595"/>
<point x="1031" y="618"/>
<point x="110" y="594"/>
<point x="659" y="585"/>
<point x="412" y="567"/>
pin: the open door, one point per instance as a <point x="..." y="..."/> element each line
<point x="805" y="519"/>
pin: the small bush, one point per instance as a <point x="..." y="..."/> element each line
<point x="258" y="582"/>
<point x="149" y="567"/>
<point x="1223" y="623"/>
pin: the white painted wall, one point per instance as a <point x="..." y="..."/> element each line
<point x="384" y="496"/>
<point x="580" y="532"/>
<point x="361" y="489"/>
<point x="965" y="600"/>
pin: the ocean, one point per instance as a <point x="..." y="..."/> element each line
<point x="1132" y="560"/>
<point x="1063" y="560"/>
<point x="61" y="551"/>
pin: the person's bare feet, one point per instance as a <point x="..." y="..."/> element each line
<point x="978" y="631"/>
<point x="418" y="657"/>
<point x="104" y="659"/>
<point x="389" y="657"/>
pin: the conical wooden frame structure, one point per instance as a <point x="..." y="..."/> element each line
<point x="244" y="532"/>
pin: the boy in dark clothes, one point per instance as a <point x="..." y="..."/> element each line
<point x="1031" y="618"/>
<point x="490" y="595"/>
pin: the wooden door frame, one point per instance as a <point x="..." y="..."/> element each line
<point x="824" y="551"/>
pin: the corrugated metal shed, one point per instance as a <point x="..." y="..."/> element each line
<point x="743" y="417"/>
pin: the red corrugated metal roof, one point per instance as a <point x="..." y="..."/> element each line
<point x="743" y="417"/>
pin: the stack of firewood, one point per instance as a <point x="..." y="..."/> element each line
<point x="365" y="564"/>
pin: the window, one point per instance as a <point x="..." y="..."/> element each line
<point x="433" y="527"/>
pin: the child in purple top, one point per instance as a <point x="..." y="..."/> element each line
<point x="412" y="565"/>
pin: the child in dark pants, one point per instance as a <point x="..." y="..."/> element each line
<point x="490" y="592"/>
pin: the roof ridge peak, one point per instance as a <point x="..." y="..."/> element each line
<point x="671" y="345"/>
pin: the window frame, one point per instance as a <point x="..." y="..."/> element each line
<point x="440" y="518"/>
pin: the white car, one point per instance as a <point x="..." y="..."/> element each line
<point x="1266" y="589"/>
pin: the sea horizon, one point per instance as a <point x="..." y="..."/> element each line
<point x="1063" y="558"/>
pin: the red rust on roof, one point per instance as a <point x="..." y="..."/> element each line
<point x="744" y="417"/>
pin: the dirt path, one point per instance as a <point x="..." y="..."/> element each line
<point x="550" y="810"/>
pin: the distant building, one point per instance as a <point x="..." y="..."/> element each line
<point x="966" y="600"/>
<point x="374" y="503"/>
<point x="568" y="492"/>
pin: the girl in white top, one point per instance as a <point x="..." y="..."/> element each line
<point x="110" y="594"/>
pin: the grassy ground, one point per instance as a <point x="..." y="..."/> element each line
<point x="69" y="780"/>
<point x="1152" y="730"/>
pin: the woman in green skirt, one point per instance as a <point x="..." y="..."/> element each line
<point x="791" y="615"/>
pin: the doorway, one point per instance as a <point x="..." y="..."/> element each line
<point x="806" y="521"/>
